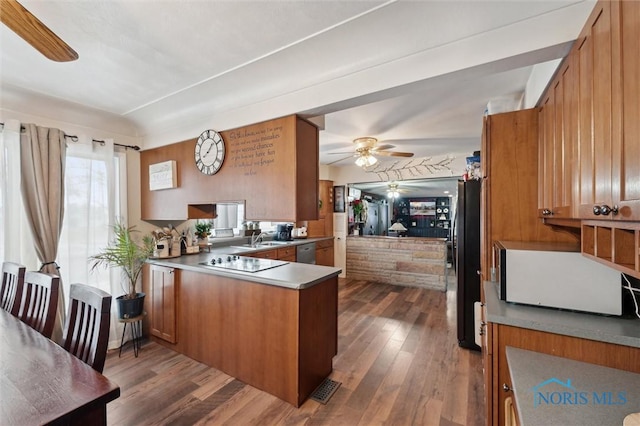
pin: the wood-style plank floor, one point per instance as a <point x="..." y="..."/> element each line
<point x="398" y="361"/>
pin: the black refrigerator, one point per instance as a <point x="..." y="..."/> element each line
<point x="467" y="259"/>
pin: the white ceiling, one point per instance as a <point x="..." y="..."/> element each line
<point x="417" y="188"/>
<point x="414" y="74"/>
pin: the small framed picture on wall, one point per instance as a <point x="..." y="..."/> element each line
<point x="339" y="201"/>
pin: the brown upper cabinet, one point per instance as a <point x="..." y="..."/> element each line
<point x="589" y="135"/>
<point x="595" y="47"/>
<point x="626" y="96"/>
<point x="272" y="166"/>
<point x="558" y="146"/>
<point x="510" y="143"/>
<point x="323" y="227"/>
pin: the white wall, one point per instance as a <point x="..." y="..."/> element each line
<point x="538" y="80"/>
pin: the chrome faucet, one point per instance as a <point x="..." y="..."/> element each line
<point x="255" y="240"/>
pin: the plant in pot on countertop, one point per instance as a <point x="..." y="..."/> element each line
<point x="125" y="253"/>
<point x="203" y="229"/>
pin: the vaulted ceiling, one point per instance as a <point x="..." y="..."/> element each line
<point x="415" y="74"/>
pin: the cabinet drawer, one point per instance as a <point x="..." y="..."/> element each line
<point x="286" y="252"/>
<point x="267" y="254"/>
<point x="324" y="244"/>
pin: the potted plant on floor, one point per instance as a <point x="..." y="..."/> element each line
<point x="125" y="253"/>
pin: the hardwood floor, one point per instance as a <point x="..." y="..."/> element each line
<point x="398" y="361"/>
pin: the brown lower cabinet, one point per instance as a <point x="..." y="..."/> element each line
<point x="160" y="284"/>
<point x="287" y="253"/>
<point x="324" y="253"/>
<point x="499" y="336"/>
<point x="266" y="254"/>
<point x="276" y="339"/>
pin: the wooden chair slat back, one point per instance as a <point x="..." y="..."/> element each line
<point x="39" y="301"/>
<point x="11" y="288"/>
<point x="86" y="333"/>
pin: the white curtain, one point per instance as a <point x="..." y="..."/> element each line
<point x="16" y="244"/>
<point x="91" y="181"/>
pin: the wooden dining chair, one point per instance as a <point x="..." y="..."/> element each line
<point x="86" y="333"/>
<point x="11" y="289"/>
<point x="39" y="301"/>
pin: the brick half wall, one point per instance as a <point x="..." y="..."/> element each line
<point x="413" y="262"/>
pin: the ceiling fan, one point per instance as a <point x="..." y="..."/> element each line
<point x="393" y="191"/>
<point x="366" y="150"/>
<point x="33" y="31"/>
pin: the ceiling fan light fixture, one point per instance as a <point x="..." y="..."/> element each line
<point x="392" y="192"/>
<point x="366" y="160"/>
<point x="365" y="142"/>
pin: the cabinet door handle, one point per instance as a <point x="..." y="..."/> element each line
<point x="505" y="387"/>
<point x="596" y="210"/>
<point x="606" y="210"/>
<point x="547" y="212"/>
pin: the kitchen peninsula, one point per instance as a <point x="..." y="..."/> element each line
<point x="275" y="329"/>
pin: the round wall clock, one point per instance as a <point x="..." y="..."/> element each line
<point x="209" y="152"/>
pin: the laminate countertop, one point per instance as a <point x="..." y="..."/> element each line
<point x="551" y="390"/>
<point x="610" y="329"/>
<point x="291" y="275"/>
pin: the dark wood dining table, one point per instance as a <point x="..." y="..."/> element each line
<point x="41" y="383"/>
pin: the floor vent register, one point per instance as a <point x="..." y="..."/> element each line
<point x="325" y="391"/>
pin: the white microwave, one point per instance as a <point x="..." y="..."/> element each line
<point x="555" y="275"/>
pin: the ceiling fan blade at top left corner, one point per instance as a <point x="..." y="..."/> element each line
<point x="33" y="31"/>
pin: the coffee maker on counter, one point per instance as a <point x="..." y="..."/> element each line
<point x="283" y="232"/>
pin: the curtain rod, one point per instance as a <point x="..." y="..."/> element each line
<point x="74" y="138"/>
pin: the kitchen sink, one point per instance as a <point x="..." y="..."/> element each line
<point x="273" y="243"/>
<point x="262" y="245"/>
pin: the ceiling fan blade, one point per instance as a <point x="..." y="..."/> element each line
<point x="337" y="161"/>
<point x="394" y="154"/>
<point x="341" y="153"/>
<point x="33" y="31"/>
<point x="383" y="147"/>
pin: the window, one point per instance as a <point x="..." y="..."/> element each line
<point x="88" y="216"/>
<point x="95" y="198"/>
